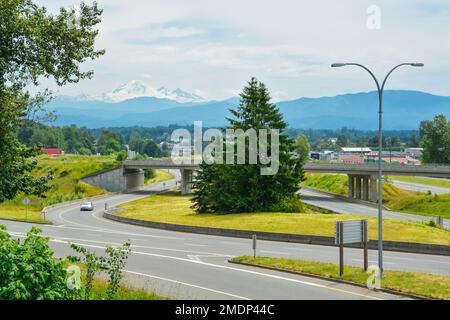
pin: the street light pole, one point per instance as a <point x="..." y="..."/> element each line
<point x="380" y="145"/>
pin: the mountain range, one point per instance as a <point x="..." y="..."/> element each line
<point x="137" y="104"/>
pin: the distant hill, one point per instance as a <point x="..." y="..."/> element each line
<point x="403" y="110"/>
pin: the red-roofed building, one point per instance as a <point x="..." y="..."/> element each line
<point x="56" y="152"/>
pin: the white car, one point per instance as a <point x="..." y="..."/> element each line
<point x="87" y="206"/>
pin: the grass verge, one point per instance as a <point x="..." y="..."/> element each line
<point x="418" y="283"/>
<point x="124" y="292"/>
<point x="394" y="198"/>
<point x="172" y="207"/>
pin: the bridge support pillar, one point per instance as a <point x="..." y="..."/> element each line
<point x="358" y="187"/>
<point x="373" y="188"/>
<point x="351" y="186"/>
<point x="365" y="188"/>
<point x="186" y="181"/>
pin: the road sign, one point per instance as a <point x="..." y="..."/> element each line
<point x="351" y="231"/>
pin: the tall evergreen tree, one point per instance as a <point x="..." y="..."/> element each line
<point x="229" y="188"/>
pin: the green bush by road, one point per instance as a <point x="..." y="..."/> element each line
<point x="393" y="198"/>
<point x="419" y="283"/>
<point x="29" y="271"/>
<point x="174" y="208"/>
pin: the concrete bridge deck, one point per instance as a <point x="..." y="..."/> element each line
<point x="438" y="171"/>
<point x="362" y="177"/>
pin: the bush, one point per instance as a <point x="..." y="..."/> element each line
<point x="149" y="174"/>
<point x="289" y="204"/>
<point x="113" y="263"/>
<point x="122" y="156"/>
<point x="80" y="188"/>
<point x="28" y="270"/>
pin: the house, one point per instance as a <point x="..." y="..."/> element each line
<point x="56" y="152"/>
<point x="414" y="152"/>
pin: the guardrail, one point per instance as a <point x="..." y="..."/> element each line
<point x="410" y="247"/>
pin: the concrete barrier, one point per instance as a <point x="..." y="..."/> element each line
<point x="410" y="247"/>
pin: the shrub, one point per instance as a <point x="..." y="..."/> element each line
<point x="289" y="204"/>
<point x="149" y="174"/>
<point x="113" y="263"/>
<point x="28" y="270"/>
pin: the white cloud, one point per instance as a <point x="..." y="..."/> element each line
<point x="216" y="46"/>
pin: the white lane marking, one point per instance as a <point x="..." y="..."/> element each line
<point x="194" y="257"/>
<point x="117" y="232"/>
<point x="307" y="283"/>
<point x="239" y="270"/>
<point x="100" y="230"/>
<point x="187" y="284"/>
<point x="203" y="253"/>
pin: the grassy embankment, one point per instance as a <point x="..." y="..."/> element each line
<point x="160" y="175"/>
<point x="423" y="284"/>
<point x="66" y="185"/>
<point x="173" y="208"/>
<point x="394" y="198"/>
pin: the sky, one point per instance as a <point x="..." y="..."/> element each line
<point x="213" y="47"/>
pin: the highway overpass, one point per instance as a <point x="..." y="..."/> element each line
<point x="362" y="177"/>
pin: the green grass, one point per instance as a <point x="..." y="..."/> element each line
<point x="124" y="292"/>
<point x="418" y="283"/>
<point x="65" y="186"/>
<point x="174" y="208"/>
<point x="394" y="198"/>
<point x="160" y="175"/>
<point x="423" y="180"/>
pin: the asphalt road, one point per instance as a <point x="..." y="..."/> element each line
<point x="339" y="205"/>
<point x="192" y="266"/>
<point x="418" y="187"/>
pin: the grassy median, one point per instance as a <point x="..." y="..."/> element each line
<point x="394" y="198"/>
<point x="418" y="283"/>
<point x="171" y="207"/>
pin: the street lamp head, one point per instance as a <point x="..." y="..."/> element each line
<point x="336" y="65"/>
<point x="416" y="64"/>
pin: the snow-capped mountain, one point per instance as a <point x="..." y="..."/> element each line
<point x="138" y="89"/>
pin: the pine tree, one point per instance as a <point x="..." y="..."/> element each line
<point x="229" y="188"/>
